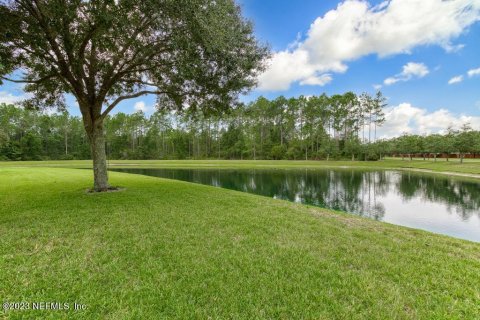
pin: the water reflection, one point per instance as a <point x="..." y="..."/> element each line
<point x="458" y="196"/>
<point x="436" y="203"/>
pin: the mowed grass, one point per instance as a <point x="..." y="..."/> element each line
<point x="470" y="166"/>
<point x="170" y="249"/>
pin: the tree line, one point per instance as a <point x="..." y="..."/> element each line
<point x="454" y="142"/>
<point x="304" y="128"/>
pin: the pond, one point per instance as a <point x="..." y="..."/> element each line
<point x="435" y="203"/>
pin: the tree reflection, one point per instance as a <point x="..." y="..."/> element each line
<point x="461" y="197"/>
<point x="354" y="191"/>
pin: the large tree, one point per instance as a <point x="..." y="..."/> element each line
<point x="195" y="53"/>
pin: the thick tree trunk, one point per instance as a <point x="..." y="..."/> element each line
<point x="99" y="157"/>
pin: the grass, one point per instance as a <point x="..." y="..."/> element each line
<point x="171" y="249"/>
<point x="469" y="167"/>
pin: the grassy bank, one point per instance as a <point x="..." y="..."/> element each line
<point x="169" y="249"/>
<point x="452" y="166"/>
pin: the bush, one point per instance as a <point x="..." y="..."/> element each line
<point x="371" y="156"/>
<point x="278" y="152"/>
<point x="293" y="153"/>
<point x="67" y="157"/>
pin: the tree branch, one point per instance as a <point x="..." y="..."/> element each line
<point x="29" y="81"/>
<point x="139" y="82"/>
<point x="108" y="79"/>
<point x="131" y="96"/>
<point x="62" y="64"/>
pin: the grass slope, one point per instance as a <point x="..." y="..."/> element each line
<point x="170" y="249"/>
<point x="471" y="166"/>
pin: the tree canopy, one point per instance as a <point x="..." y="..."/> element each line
<point x="198" y="54"/>
<point x="190" y="51"/>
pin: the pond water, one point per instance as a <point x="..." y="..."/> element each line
<point x="435" y="203"/>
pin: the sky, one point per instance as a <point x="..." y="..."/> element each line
<point x="424" y="55"/>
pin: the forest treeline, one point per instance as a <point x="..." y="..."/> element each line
<point x="316" y="127"/>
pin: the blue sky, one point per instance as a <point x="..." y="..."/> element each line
<point x="412" y="48"/>
<point x="431" y="41"/>
<point x="280" y="22"/>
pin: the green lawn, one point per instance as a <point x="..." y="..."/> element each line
<point x="170" y="249"/>
<point x="471" y="166"/>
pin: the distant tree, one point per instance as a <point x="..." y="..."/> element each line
<point x="449" y="141"/>
<point x="31" y="146"/>
<point x="353" y="147"/>
<point x="279" y="108"/>
<point x="364" y="103"/>
<point x="421" y="146"/>
<point x="434" y="144"/>
<point x="476" y="146"/>
<point x="9" y="119"/>
<point x="379" y="103"/>
<point x="383" y="147"/>
<point x="278" y="152"/>
<point x="465" y="141"/>
<point x="63" y="122"/>
<point x="408" y="144"/>
<point x="196" y="53"/>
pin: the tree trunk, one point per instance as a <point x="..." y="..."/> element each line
<point x="99" y="157"/>
<point x="66" y="143"/>
<point x="281" y="134"/>
<point x="363" y="126"/>
<point x="370" y="128"/>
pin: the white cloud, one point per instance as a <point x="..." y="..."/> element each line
<point x="8" y="98"/>
<point x="143" y="107"/>
<point x="456" y="79"/>
<point x="473" y="72"/>
<point x="409" y="71"/>
<point x="453" y="48"/>
<point x="415" y="70"/>
<point x="140" y="106"/>
<point x="390" y="81"/>
<point x="377" y="86"/>
<point x="320" y="80"/>
<point x="286" y="67"/>
<point x="355" y="29"/>
<point x="414" y="120"/>
<point x="470" y="73"/>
